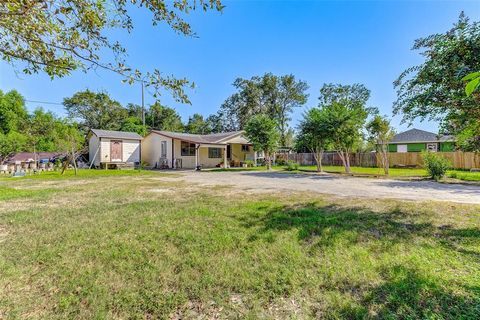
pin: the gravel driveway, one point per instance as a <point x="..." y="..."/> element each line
<point x="338" y="185"/>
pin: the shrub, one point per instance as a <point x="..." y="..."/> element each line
<point x="436" y="165"/>
<point x="249" y="163"/>
<point x="292" y="166"/>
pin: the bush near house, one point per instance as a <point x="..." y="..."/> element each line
<point x="436" y="165"/>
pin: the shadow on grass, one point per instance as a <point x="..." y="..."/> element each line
<point x="407" y="294"/>
<point x="404" y="292"/>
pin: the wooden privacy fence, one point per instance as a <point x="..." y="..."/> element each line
<point x="458" y="159"/>
<point x="361" y="159"/>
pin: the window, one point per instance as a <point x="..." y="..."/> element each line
<point x="188" y="149"/>
<point x="163" y="149"/>
<point x="432" y="147"/>
<point x="245" y="148"/>
<point x="401" y="148"/>
<point x="214" y="152"/>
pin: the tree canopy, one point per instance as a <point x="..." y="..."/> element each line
<point x="434" y="90"/>
<point x="60" y="36"/>
<point x="275" y="96"/>
<point x="95" y="110"/>
<point x="261" y="131"/>
<point x="314" y="135"/>
<point x="344" y="114"/>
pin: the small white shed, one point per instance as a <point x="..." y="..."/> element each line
<point x="113" y="147"/>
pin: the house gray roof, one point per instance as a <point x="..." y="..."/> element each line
<point x="417" y="135"/>
<point x="214" y="138"/>
<point x="116" y="134"/>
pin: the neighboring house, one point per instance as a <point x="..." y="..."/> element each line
<point x="165" y="149"/>
<point x="113" y="147"/>
<point x="415" y="140"/>
<point x="27" y="157"/>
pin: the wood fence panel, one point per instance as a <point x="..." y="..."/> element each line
<point x="458" y="159"/>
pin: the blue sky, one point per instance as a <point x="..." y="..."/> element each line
<point x="365" y="42"/>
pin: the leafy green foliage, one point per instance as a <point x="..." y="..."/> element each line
<point x="344" y="114"/>
<point x="262" y="132"/>
<point x="60" y="36"/>
<point x="435" y="90"/>
<point x="473" y="82"/>
<point x="197" y="125"/>
<point x="275" y="96"/>
<point x="161" y="117"/>
<point x="292" y="166"/>
<point x="436" y="165"/>
<point x="380" y="133"/>
<point x="314" y="134"/>
<point x="95" y="110"/>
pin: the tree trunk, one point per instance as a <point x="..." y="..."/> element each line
<point x="74" y="162"/>
<point x="347" y="162"/>
<point x="65" y="164"/>
<point x="385" y="160"/>
<point x="318" y="154"/>
<point x="269" y="161"/>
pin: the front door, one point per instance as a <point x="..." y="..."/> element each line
<point x="229" y="151"/>
<point x="116" y="151"/>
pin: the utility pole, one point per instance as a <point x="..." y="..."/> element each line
<point x="143" y="107"/>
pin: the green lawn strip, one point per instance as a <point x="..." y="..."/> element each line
<point x="7" y="193"/>
<point x="464" y="175"/>
<point x="126" y="254"/>
<point x="85" y="174"/>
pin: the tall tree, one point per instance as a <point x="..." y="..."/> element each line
<point x="291" y="94"/>
<point x="10" y="143"/>
<point x="95" y="110"/>
<point x="262" y="132"/>
<point x="275" y="96"/>
<point x="434" y="90"/>
<point x="197" y="125"/>
<point x="60" y="36"/>
<point x="380" y="134"/>
<point x="13" y="113"/>
<point x="314" y="134"/>
<point x="161" y="117"/>
<point x="345" y="113"/>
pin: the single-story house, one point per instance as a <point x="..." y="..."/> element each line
<point x="27" y="157"/>
<point x="165" y="149"/>
<point x="415" y="140"/>
<point x="113" y="147"/>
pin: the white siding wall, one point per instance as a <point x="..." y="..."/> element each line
<point x="151" y="146"/>
<point x="104" y="150"/>
<point x="92" y="149"/>
<point x="131" y="150"/>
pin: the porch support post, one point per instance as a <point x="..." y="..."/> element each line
<point x="196" y="156"/>
<point x="254" y="158"/>
<point x="225" y="156"/>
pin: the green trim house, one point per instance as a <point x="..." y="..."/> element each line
<point x="415" y="140"/>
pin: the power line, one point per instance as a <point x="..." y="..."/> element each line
<point x="45" y="102"/>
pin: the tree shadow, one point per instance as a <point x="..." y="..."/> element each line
<point x="407" y="294"/>
<point x="328" y="223"/>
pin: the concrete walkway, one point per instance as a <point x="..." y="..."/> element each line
<point x="338" y="185"/>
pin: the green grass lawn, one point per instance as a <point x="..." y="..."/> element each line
<point x="136" y="246"/>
